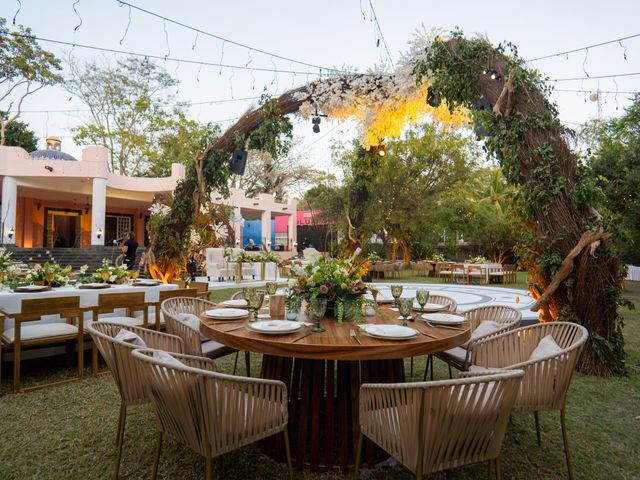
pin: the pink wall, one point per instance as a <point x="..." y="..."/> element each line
<point x="310" y="217"/>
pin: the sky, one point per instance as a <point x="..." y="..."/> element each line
<point x="328" y="34"/>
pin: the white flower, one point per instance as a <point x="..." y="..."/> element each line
<point x="159" y="209"/>
<point x="194" y="237"/>
<point x="112" y="278"/>
<point x="220" y="229"/>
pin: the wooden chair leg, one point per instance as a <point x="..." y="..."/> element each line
<point x="120" y="438"/>
<point x="247" y="362"/>
<point x="565" y="441"/>
<point x="81" y="355"/>
<point x="426" y="368"/>
<point x="287" y="449"/>
<point x="235" y="362"/>
<point x="156" y="459"/>
<point x="537" y="420"/>
<point x="498" y="468"/>
<point x="411" y="368"/>
<point x="16" y="362"/>
<point x="356" y="465"/>
<point x="94" y="359"/>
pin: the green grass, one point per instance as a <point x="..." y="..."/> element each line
<point x="407" y="276"/>
<point x="68" y="432"/>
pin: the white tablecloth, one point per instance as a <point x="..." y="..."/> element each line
<point x="633" y="273"/>
<point x="11" y="302"/>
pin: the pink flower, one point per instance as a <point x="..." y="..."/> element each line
<point x="324" y="289"/>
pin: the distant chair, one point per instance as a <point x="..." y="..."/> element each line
<point x="476" y="274"/>
<point x="547" y="376"/>
<point x="210" y="412"/>
<point x="125" y="371"/>
<point x="434" y="426"/>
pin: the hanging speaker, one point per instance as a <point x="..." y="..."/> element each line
<point x="239" y="162"/>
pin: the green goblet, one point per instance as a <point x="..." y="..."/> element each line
<point x="317" y="308"/>
<point x="405" y="305"/>
<point x="396" y="291"/>
<point x="254" y="298"/>
<point x="422" y="296"/>
<point x="272" y="288"/>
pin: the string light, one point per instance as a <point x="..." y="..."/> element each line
<point x="595" y="45"/>
<point x="15" y="15"/>
<point x="384" y="42"/>
<point x="594" y="77"/>
<point x="166" y="38"/>
<point x="75" y="29"/>
<point x="126" y="30"/>
<point x="213" y="35"/>
<point x="161" y="57"/>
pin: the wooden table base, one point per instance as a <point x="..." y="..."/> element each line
<point x="323" y="409"/>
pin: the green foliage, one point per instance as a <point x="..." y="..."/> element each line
<point x="131" y="111"/>
<point x="18" y="134"/>
<point x="615" y="168"/>
<point x="25" y="68"/>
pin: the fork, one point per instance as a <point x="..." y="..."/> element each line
<point x="352" y="334"/>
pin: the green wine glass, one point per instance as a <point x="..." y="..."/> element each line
<point x="396" y="291"/>
<point x="272" y="288"/>
<point x="405" y="305"/>
<point x="317" y="308"/>
<point x="254" y="298"/>
<point x="422" y="296"/>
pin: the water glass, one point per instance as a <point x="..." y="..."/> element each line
<point x="396" y="291"/>
<point x="254" y="298"/>
<point x="317" y="308"/>
<point x="405" y="305"/>
<point x="272" y="288"/>
<point x="422" y="296"/>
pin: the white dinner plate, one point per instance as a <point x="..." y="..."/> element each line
<point x="381" y="298"/>
<point x="444" y="318"/>
<point x="429" y="307"/>
<point x="94" y="285"/>
<point x="275" y="327"/>
<point x="32" y="288"/>
<point x="264" y="316"/>
<point x="237" y="303"/>
<point x="389" y="332"/>
<point x="146" y="283"/>
<point x="226" y="313"/>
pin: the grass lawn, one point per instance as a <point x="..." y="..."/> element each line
<point x="68" y="432"/>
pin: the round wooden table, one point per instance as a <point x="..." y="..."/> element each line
<point x="323" y="373"/>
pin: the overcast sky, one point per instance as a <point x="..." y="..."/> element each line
<point x="328" y="33"/>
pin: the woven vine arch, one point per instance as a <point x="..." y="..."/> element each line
<point x="575" y="272"/>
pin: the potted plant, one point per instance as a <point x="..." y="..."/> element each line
<point x="49" y="274"/>
<point x="113" y="274"/>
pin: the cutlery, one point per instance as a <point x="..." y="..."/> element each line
<point x="428" y="335"/>
<point x="302" y="336"/>
<point x="232" y="329"/>
<point x="353" y="335"/>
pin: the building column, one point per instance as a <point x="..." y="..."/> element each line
<point x="9" y="204"/>
<point x="292" y="232"/>
<point x="98" y="210"/>
<point x="266" y="230"/>
<point x="237" y="226"/>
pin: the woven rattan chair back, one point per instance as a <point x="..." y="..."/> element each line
<point x="117" y="354"/>
<point x="508" y="317"/>
<point x="449" y="303"/>
<point x="172" y="308"/>
<point x="546" y="381"/>
<point x="210" y="412"/>
<point x="434" y="426"/>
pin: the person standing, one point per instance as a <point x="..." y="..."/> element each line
<point x="129" y="248"/>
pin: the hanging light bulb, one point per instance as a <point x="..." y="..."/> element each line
<point x="381" y="151"/>
<point x="316" y="124"/>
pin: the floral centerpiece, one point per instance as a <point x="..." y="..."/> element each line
<point x="49" y="274"/>
<point x="337" y="280"/>
<point x="108" y="273"/>
<point x="479" y="259"/>
<point x="7" y="265"/>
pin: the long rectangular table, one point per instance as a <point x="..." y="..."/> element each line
<point x="11" y="302"/>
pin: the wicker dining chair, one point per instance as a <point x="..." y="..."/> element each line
<point x="460" y="357"/>
<point x="172" y="308"/>
<point x="434" y="426"/>
<point x="209" y="412"/>
<point x="165" y="295"/>
<point x="449" y="303"/>
<point x="27" y="334"/>
<point x="546" y="380"/>
<point x="237" y="295"/>
<point x="125" y="371"/>
<point x="202" y="288"/>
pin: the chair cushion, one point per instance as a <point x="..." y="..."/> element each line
<point x="168" y="359"/>
<point x="486" y="327"/>
<point x="545" y="349"/>
<point x="193" y="322"/>
<point x="127" y="321"/>
<point x="42" y="330"/>
<point x="211" y="349"/>
<point x="456" y="355"/>
<point x="130" y="337"/>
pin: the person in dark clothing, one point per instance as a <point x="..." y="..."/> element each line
<point x="129" y="248"/>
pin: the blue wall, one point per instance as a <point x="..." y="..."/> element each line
<point x="253" y="229"/>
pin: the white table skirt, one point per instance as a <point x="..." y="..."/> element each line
<point x="633" y="273"/>
<point x="11" y="302"/>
